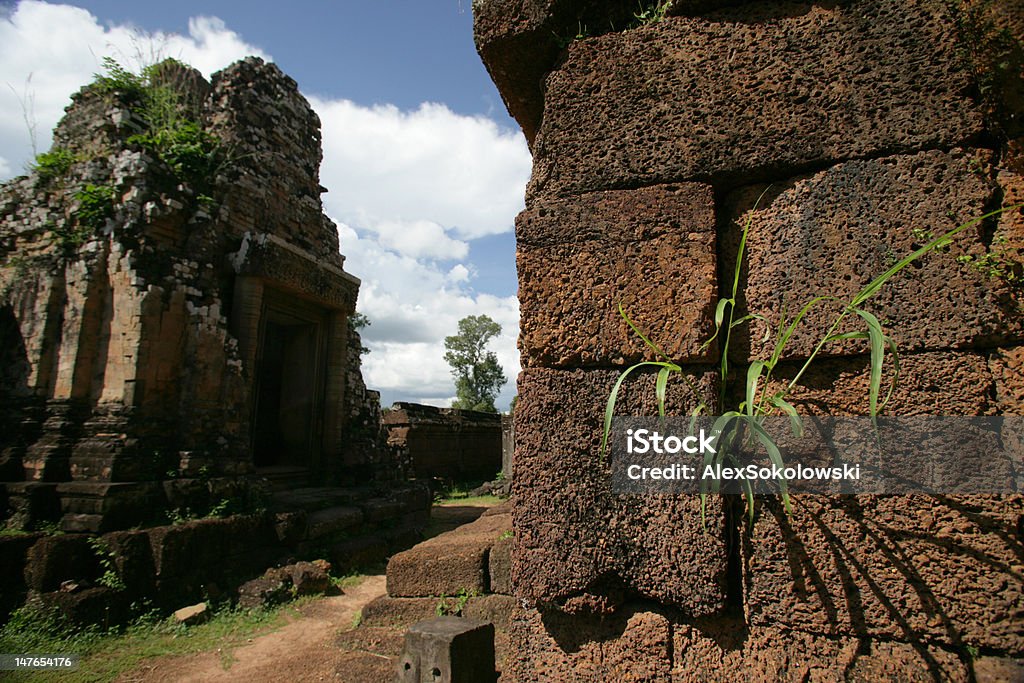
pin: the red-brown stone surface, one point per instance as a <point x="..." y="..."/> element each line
<point x="573" y="537"/>
<point x="632" y="645"/>
<point x="943" y="569"/>
<point x="938" y="383"/>
<point x="759" y="90"/>
<point x="832" y="233"/>
<point x="447" y="564"/>
<point x="652" y="250"/>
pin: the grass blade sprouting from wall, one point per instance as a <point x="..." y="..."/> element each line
<point x="759" y="402"/>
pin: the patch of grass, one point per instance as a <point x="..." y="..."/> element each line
<point x="472" y="501"/>
<point x="355" y="577"/>
<point x="506" y="534"/>
<point x="105" y="655"/>
<point x="652" y="12"/>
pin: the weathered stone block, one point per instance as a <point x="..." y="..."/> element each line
<point x="938" y="383"/>
<point x="55" y="559"/>
<point x="358" y="552"/>
<point x="577" y="542"/>
<point x="832" y="233"/>
<point x="756" y="91"/>
<point x="332" y="520"/>
<point x="944" y="570"/>
<point x="651" y="249"/>
<point x="401" y="612"/>
<point x="500" y="565"/>
<point x="716" y="650"/>
<point x="631" y="645"/>
<point x="448" y="650"/>
<point x="447" y="564"/>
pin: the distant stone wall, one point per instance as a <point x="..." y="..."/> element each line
<point x="460" y="445"/>
<point x="873" y="120"/>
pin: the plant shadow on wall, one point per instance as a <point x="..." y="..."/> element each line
<point x="869" y="565"/>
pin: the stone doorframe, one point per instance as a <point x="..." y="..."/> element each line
<point x="271" y="272"/>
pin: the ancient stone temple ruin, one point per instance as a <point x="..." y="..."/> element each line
<point x="174" y="314"/>
<point x="877" y="122"/>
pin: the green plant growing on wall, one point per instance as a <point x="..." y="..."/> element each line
<point x="172" y="132"/>
<point x="453" y="609"/>
<point x="110" y="578"/>
<point x="652" y="12"/>
<point x="95" y="205"/>
<point x="759" y="402"/>
<point x="997" y="264"/>
<point x="54" y="164"/>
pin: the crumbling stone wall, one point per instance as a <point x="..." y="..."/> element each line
<point x="445" y="443"/>
<point x="132" y="342"/>
<point x="870" y="118"/>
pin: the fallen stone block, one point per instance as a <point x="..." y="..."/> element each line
<point x="192" y="615"/>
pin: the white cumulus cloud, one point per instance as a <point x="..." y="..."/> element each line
<point x="385" y="165"/>
<point x="49" y="51"/>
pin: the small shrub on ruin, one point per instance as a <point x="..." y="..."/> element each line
<point x="95" y="206"/>
<point x="53" y="164"/>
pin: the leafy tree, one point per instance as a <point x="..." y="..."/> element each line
<point x="478" y="376"/>
<point x="356" y="322"/>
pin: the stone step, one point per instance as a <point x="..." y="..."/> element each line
<point x="455" y="561"/>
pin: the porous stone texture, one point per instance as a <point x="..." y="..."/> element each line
<point x="756" y="91"/>
<point x="632" y="645"/>
<point x="130" y="343"/>
<point x="651" y="250"/>
<point x="447" y="564"/>
<point x="942" y="570"/>
<point x="876" y="122"/>
<point x="575" y="540"/>
<point x="832" y="233"/>
<point x="937" y="383"/>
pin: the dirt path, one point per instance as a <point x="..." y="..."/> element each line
<point x="303" y="650"/>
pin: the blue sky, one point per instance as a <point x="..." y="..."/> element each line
<point x="425" y="169"/>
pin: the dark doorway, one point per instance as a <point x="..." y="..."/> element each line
<point x="286" y="429"/>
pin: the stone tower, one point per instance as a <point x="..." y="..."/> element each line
<point x="174" y="318"/>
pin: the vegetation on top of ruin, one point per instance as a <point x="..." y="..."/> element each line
<point x="759" y="400"/>
<point x="158" y="94"/>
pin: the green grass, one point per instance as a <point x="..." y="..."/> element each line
<point x="759" y="402"/>
<point x="105" y="655"/>
<point x="470" y="500"/>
